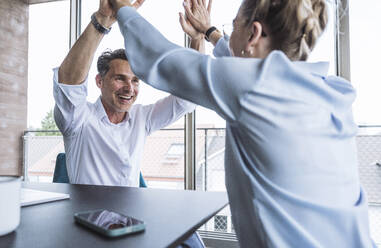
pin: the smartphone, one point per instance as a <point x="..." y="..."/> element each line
<point x="109" y="223"/>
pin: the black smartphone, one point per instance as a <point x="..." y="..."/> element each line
<point x="109" y="223"/>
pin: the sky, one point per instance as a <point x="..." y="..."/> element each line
<point x="49" y="44"/>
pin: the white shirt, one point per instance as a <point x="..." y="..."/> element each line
<point x="290" y="159"/>
<point x="98" y="151"/>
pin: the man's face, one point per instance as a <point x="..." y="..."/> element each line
<point x="119" y="87"/>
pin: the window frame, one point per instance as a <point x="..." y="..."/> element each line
<point x="342" y="39"/>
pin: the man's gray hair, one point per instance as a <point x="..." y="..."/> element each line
<point x="106" y="57"/>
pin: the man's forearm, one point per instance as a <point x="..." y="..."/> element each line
<point x="198" y="44"/>
<point x="76" y="66"/>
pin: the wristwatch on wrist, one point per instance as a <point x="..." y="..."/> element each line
<point x="99" y="27"/>
<point x="209" y="32"/>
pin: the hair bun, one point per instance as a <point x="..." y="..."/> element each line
<point x="294" y="26"/>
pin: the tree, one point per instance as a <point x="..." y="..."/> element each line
<point x="48" y="123"/>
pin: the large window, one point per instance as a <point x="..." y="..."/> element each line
<point x="168" y="24"/>
<point x="163" y="161"/>
<point x="365" y="38"/>
<point x="210" y="132"/>
<point x="48" y="46"/>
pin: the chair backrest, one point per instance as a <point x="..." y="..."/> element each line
<point x="60" y="172"/>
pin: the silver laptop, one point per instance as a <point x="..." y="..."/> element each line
<point x="32" y="196"/>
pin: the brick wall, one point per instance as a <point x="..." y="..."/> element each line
<point x="14" y="16"/>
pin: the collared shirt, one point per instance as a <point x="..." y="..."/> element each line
<point x="98" y="151"/>
<point x="290" y="159"/>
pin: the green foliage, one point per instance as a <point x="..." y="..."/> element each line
<point x="48" y="123"/>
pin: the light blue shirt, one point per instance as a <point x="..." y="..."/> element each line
<point x="290" y="160"/>
<point x="103" y="153"/>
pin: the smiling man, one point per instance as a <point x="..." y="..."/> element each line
<point x="104" y="140"/>
<point x="118" y="84"/>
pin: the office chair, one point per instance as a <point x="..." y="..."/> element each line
<point x="60" y="172"/>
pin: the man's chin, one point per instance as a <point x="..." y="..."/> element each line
<point x="124" y="108"/>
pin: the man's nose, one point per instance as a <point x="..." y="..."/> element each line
<point x="128" y="85"/>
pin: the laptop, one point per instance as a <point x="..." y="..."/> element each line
<point x="32" y="197"/>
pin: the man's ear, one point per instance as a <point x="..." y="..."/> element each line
<point x="99" y="81"/>
<point x="256" y="30"/>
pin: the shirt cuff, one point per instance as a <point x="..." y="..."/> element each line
<point x="76" y="94"/>
<point x="222" y="47"/>
<point x="55" y="79"/>
<point x="126" y="14"/>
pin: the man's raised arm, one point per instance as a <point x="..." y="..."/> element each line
<point x="76" y="65"/>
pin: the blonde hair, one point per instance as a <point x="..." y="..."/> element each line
<point x="293" y="25"/>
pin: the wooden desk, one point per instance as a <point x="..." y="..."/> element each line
<point x="170" y="216"/>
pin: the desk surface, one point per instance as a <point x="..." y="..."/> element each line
<point x="170" y="216"/>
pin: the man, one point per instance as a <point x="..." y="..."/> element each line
<point x="104" y="141"/>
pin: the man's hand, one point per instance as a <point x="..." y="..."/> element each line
<point x="105" y="14"/>
<point x="198" y="15"/>
<point x="189" y="29"/>
<point x="117" y="4"/>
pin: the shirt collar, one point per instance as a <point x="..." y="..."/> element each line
<point x="318" y="68"/>
<point x="102" y="115"/>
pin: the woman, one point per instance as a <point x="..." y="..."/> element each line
<point x="290" y="160"/>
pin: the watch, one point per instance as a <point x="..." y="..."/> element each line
<point x="99" y="27"/>
<point x="209" y="31"/>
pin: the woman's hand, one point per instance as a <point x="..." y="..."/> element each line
<point x="197" y="15"/>
<point x="189" y="29"/>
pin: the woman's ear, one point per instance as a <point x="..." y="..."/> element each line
<point x="256" y="30"/>
<point x="99" y="80"/>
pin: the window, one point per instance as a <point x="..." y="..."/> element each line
<point x="365" y="38"/>
<point x="220" y="223"/>
<point x="168" y="24"/>
<point x="174" y="155"/>
<point x="159" y="146"/>
<point x="210" y="131"/>
<point x="325" y="48"/>
<point x="48" y="46"/>
<point x="176" y="150"/>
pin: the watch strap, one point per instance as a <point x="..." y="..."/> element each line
<point x="99" y="27"/>
<point x="209" y="31"/>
